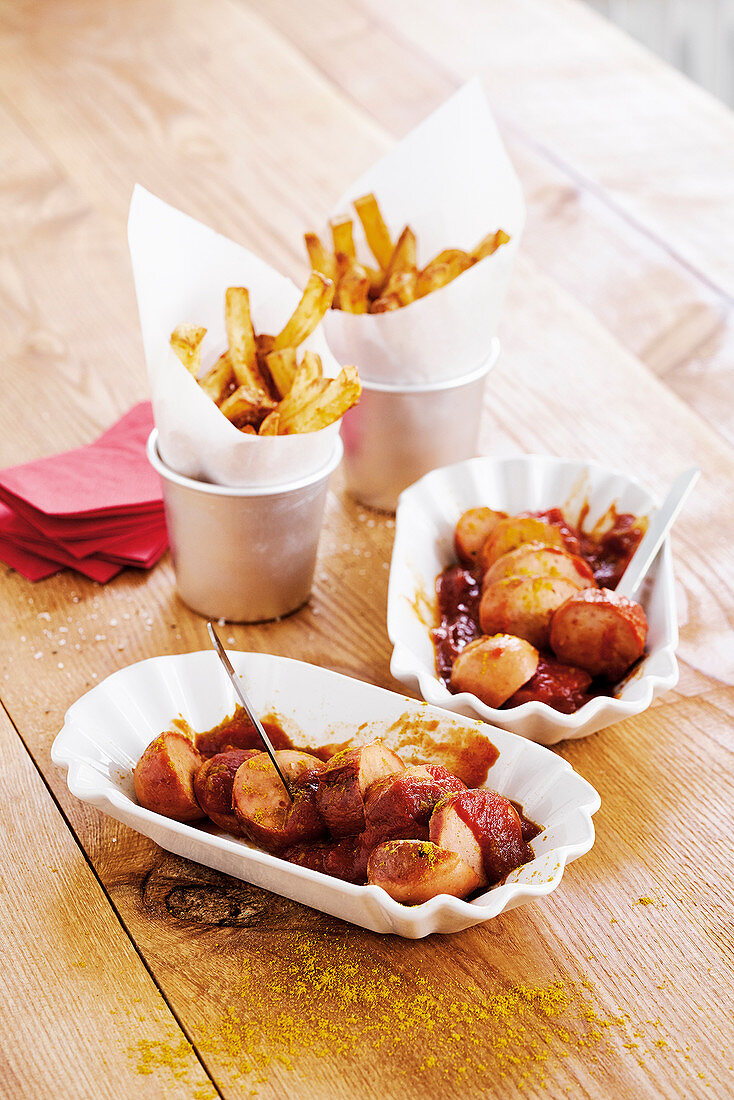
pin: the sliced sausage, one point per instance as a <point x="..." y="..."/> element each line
<point x="523" y="606"/>
<point x="309" y="855"/>
<point x="512" y="532"/>
<point x="261" y="804"/>
<point x="213" y="784"/>
<point x="447" y="781"/>
<point x="164" y="777"/>
<point x="494" y="667"/>
<point x="399" y="806"/>
<point x="485" y="827"/>
<point x="448" y="830"/>
<point x="413" y="871"/>
<point x="533" y="559"/>
<point x="345" y="781"/>
<point x="599" y="631"/>
<point x="345" y="859"/>
<point x="472" y="530"/>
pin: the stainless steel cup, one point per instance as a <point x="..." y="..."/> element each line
<point x="247" y="554"/>
<point x="396" y="434"/>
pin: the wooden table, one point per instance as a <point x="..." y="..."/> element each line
<point x="128" y="972"/>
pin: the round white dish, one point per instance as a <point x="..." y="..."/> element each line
<point x="106" y="730"/>
<point x="426" y="517"/>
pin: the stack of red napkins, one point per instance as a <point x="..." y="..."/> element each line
<point x="95" y="509"/>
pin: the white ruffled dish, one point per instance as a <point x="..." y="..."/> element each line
<point x="426" y="517"/>
<point x="107" y="729"/>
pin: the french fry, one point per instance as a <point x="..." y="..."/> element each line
<point x="218" y="379"/>
<point x="489" y="244"/>
<point x="271" y="424"/>
<point x="397" y="281"/>
<point x="433" y="278"/>
<point x="276" y="388"/>
<point x="443" y="269"/>
<point x="342" y="234"/>
<point x="307" y="381"/>
<point x="375" y="230"/>
<point x="306" y="385"/>
<point x="399" y="291"/>
<point x="326" y="406"/>
<point x="241" y="339"/>
<point x="399" y="286"/>
<point x="403" y="258"/>
<point x="246" y="406"/>
<point x="402" y="282"/>
<point x="455" y="257"/>
<point x="264" y="345"/>
<point x="317" y="298"/>
<point x="376" y="277"/>
<point x="385" y="304"/>
<point x="282" y="365"/>
<point x="310" y="369"/>
<point x="321" y="259"/>
<point x="353" y="285"/>
<point x="186" y="342"/>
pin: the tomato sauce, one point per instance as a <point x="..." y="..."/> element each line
<point x="238" y="732"/>
<point x="609" y="552"/>
<point x="459" y="592"/>
<point x="560" y="686"/>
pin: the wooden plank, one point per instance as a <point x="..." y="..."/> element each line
<point x="81" y="1016"/>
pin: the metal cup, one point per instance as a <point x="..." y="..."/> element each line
<point x="396" y="434"/>
<point x="246" y="555"/>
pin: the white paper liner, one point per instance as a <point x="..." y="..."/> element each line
<point x="452" y="181"/>
<point x="182" y="270"/>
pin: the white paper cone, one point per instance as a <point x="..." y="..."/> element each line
<point x="452" y="181"/>
<point x="182" y="270"/>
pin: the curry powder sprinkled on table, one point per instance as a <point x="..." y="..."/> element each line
<point x="169" y="1057"/>
<point x="155" y="1054"/>
<point x="328" y="998"/>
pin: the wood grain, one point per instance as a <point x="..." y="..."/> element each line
<point x="76" y="995"/>
<point x="644" y="291"/>
<point x="646" y="136"/>
<point x="255" y="124"/>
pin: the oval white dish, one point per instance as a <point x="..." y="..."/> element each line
<point x="106" y="730"/>
<point x="424" y="529"/>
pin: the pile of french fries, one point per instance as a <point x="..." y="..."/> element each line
<point x="396" y="281"/>
<point x="258" y="382"/>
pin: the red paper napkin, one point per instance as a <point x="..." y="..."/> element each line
<point x="96" y="508"/>
<point x="110" y="477"/>
<point x="135" y="544"/>
<point x="32" y="566"/>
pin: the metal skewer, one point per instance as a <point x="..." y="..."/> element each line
<point x="660" y="525"/>
<point x="246" y="705"/>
